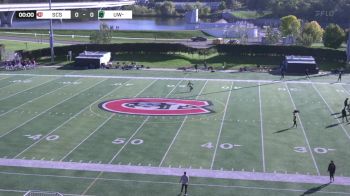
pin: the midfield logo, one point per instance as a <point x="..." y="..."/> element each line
<point x="157" y="106"/>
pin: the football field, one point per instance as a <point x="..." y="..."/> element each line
<point x="67" y="132"/>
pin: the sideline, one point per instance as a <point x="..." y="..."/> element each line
<point x="203" y="173"/>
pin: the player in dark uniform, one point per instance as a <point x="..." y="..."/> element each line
<point x="294" y="120"/>
<point x="339" y="76"/>
<point x="331" y="170"/>
<point x="282" y="74"/>
<point x="190" y="86"/>
<point x="346" y="103"/>
<point x="307" y="73"/>
<point x="343" y="115"/>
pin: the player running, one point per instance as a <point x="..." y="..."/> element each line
<point x="190" y="86"/>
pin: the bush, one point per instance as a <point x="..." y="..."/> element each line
<point x="333" y="36"/>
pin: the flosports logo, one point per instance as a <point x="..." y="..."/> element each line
<point x="157" y="106"/>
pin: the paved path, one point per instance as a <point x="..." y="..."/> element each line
<point x="203" y="173"/>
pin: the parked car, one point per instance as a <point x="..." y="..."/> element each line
<point x="199" y="39"/>
<point x="233" y="41"/>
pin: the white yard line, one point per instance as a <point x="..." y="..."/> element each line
<point x="44" y="112"/>
<point x="180" y="128"/>
<point x="161" y="182"/>
<point x="130" y="138"/>
<point x="139" y="128"/>
<point x="27" y="89"/>
<point x="31" y="100"/>
<point x="221" y="126"/>
<point x="65" y="122"/>
<point x="262" y="131"/>
<point x="304" y="133"/>
<point x="330" y="109"/>
<point x="99" y="127"/>
<point x="172" y="78"/>
<point x="166" y="171"/>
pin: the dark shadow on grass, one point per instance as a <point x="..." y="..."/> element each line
<point x="315" y="189"/>
<point x="335" y="113"/>
<point x="283" y="130"/>
<point x="332" y="125"/>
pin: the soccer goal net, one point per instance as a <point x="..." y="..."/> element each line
<point x="42" y="193"/>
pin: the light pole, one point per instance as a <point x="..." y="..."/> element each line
<point x="348" y="48"/>
<point x="51" y="38"/>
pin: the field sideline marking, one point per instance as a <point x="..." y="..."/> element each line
<point x="330" y="109"/>
<point x="43" y="112"/>
<point x="262" y="131"/>
<point x="102" y="124"/>
<point x="172" y="78"/>
<point x="163" y="182"/>
<point x="302" y="128"/>
<point x="221" y="126"/>
<point x="27" y="88"/>
<point x="166" y="171"/>
<point x="72" y="117"/>
<point x="24" y="191"/>
<point x="178" y="131"/>
<point x="31" y="100"/>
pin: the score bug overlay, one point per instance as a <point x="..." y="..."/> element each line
<point x="53" y="14"/>
<point x="115" y="14"/>
<point x="26" y="14"/>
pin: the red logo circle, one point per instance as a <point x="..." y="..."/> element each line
<point x="157" y="106"/>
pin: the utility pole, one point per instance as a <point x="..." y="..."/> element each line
<point x="51" y="38"/>
<point x="348" y="47"/>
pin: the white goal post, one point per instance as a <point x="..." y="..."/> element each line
<point x="42" y="193"/>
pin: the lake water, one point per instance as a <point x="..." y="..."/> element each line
<point x="157" y="24"/>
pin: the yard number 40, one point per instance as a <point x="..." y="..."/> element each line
<point x="317" y="150"/>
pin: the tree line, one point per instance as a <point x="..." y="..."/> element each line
<point x="322" y="54"/>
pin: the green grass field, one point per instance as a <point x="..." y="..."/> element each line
<point x="52" y="116"/>
<point x="246" y="14"/>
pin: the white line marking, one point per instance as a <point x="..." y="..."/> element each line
<point x="160" y="182"/>
<point x="77" y="146"/>
<point x="27" y="89"/>
<point x="65" y="122"/>
<point x="24" y="191"/>
<point x="130" y="138"/>
<point x="30" y="101"/>
<point x="262" y="131"/>
<point x="165" y="171"/>
<point x="98" y="128"/>
<point x="39" y="114"/>
<point x="178" y="131"/>
<point x="221" y="126"/>
<point x="302" y="128"/>
<point x="169" y="78"/>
